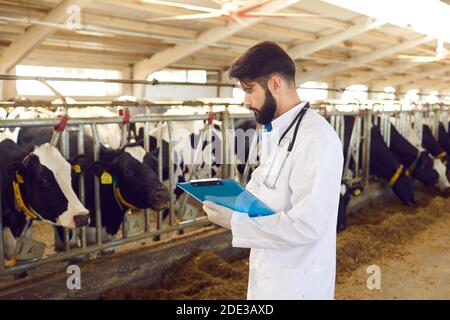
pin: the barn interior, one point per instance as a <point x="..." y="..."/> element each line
<point x="154" y="74"/>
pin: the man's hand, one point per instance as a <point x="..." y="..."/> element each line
<point x="218" y="214"/>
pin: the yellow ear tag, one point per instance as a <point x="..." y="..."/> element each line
<point x="106" y="178"/>
<point x="76" y="168"/>
<point x="19" y="177"/>
<point x="357" y="192"/>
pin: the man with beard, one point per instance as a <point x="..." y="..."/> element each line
<point x="293" y="252"/>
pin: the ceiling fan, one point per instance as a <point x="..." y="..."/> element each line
<point x="233" y="10"/>
<point x="441" y="54"/>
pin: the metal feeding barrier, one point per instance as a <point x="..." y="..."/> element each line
<point x="61" y="139"/>
<point x="358" y="152"/>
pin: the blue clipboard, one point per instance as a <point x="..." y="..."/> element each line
<point x="228" y="193"/>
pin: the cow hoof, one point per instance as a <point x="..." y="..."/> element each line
<point x="78" y="259"/>
<point x="20" y="275"/>
<point x="106" y="252"/>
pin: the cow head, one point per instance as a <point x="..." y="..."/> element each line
<point x="403" y="189"/>
<point x="347" y="192"/>
<point x="133" y="172"/>
<point x="44" y="181"/>
<point x="424" y="170"/>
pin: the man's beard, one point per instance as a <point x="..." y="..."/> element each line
<point x="267" y="112"/>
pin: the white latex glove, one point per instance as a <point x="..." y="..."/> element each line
<point x="218" y="214"/>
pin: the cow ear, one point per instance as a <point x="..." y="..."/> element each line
<point x="17" y="172"/>
<point x="155" y="153"/>
<point x="79" y="163"/>
<point x="151" y="161"/>
<point x="98" y="167"/>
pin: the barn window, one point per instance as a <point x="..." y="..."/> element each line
<point x="238" y="94"/>
<point x="412" y="95"/>
<point x="174" y="75"/>
<point x="67" y="88"/>
<point x="355" y="91"/>
<point x="432" y="97"/>
<point x="313" y="90"/>
<point x="387" y="94"/>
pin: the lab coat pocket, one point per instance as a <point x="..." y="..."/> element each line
<point x="279" y="283"/>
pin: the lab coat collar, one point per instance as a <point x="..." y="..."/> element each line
<point x="286" y="118"/>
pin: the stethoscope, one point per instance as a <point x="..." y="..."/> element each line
<point x="285" y="146"/>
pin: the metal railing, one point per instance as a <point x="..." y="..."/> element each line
<point x="359" y="152"/>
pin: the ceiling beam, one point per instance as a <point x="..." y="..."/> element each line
<point x="25" y="43"/>
<point x="365" y="77"/>
<point x="178" y="52"/>
<point x="303" y="50"/>
<point x="344" y="25"/>
<point x="361" y="59"/>
<point x="403" y="80"/>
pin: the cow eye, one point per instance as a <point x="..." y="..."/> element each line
<point x="44" y="182"/>
<point x="129" y="172"/>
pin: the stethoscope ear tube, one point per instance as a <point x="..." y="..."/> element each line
<point x="282" y="154"/>
<point x="277" y="164"/>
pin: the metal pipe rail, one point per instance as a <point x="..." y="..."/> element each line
<point x="157" y="82"/>
<point x="365" y="115"/>
<point x="121" y="81"/>
<point x="112" y="104"/>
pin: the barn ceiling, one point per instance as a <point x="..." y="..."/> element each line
<point x="330" y="41"/>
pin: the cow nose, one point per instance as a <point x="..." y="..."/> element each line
<point x="81" y="220"/>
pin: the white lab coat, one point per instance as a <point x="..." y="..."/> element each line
<point x="293" y="252"/>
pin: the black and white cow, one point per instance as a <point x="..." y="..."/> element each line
<point x="438" y="164"/>
<point x="347" y="192"/>
<point x="37" y="184"/>
<point x="418" y="163"/>
<point x="443" y="138"/>
<point x="127" y="175"/>
<point x="385" y="165"/>
<point x="432" y="145"/>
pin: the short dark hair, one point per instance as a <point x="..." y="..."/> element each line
<point x="261" y="61"/>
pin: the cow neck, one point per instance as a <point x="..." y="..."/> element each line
<point x="396" y="175"/>
<point x="28" y="211"/>
<point x="123" y="204"/>
<point x="413" y="166"/>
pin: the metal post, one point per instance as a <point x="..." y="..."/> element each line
<point x="232" y="141"/>
<point x="2" y="251"/>
<point x="210" y="159"/>
<point x="64" y="143"/>
<point x="445" y="119"/>
<point x="147" y="149"/>
<point x="159" y="145"/>
<point x="81" y="186"/>
<point x="98" y="217"/>
<point x="225" y="156"/>
<point x="171" y="176"/>
<point x="251" y="152"/>
<point x="366" y="147"/>
<point x="436" y="113"/>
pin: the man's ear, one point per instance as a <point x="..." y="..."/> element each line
<point x="274" y="83"/>
<point x="79" y="163"/>
<point x="17" y="172"/>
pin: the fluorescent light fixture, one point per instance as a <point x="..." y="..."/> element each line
<point x="429" y="17"/>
